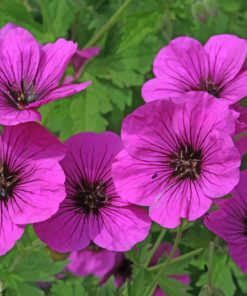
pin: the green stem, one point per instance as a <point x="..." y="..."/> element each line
<point x="210" y="263"/>
<point x="149" y="292"/>
<point x="177" y="259"/>
<point x="156" y="245"/>
<point x="107" y="26"/>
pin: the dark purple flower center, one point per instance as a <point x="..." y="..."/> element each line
<point x="21" y="96"/>
<point x="125" y="269"/>
<point x="8" y="181"/>
<point x="186" y="163"/>
<point x="209" y="86"/>
<point x="91" y="197"/>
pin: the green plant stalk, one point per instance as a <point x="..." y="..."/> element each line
<point x="210" y="263"/>
<point x="149" y="292"/>
<point x="177" y="259"/>
<point x="156" y="245"/>
<point x="107" y="26"/>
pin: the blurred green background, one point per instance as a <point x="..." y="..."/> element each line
<point x="129" y="33"/>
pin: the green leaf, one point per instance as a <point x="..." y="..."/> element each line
<point x="68" y="288"/>
<point x="23" y="289"/>
<point x="173" y="287"/>
<point x="221" y="275"/>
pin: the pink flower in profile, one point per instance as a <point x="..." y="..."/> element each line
<point x="31" y="179"/>
<point x="78" y="61"/>
<point x="185" y="65"/>
<point x="82" y="56"/>
<point x="30" y="74"/>
<point x="178" y="156"/>
<point x="92" y="260"/>
<point x="230" y="222"/>
<point x="92" y="210"/>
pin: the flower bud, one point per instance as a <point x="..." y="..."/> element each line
<point x="199" y="12"/>
<point x="211" y="7"/>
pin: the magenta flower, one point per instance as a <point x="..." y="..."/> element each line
<point x="177" y="157"/>
<point x="92" y="261"/>
<point x="92" y="211"/>
<point x="31" y="179"/>
<point x="230" y="223"/>
<point x="30" y="74"/>
<point x="185" y="65"/>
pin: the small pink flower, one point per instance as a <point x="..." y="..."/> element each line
<point x="103" y="264"/>
<point x="185" y="65"/>
<point x="92" y="210"/>
<point x="178" y="156"/>
<point x="82" y="56"/>
<point x="30" y="74"/>
<point x="31" y="179"/>
<point x="230" y="222"/>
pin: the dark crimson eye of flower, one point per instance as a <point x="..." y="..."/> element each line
<point x="20" y="97"/>
<point x="91" y="196"/>
<point x="8" y="181"/>
<point x="125" y="269"/>
<point x="209" y="86"/>
<point x="186" y="163"/>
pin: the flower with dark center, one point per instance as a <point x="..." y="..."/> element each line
<point x="230" y="222"/>
<point x="92" y="210"/>
<point x="103" y="264"/>
<point x="31" y="179"/>
<point x="30" y="74"/>
<point x="177" y="156"/>
<point x="185" y="65"/>
<point x="186" y="162"/>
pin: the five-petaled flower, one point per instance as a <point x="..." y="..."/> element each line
<point x="30" y="74"/>
<point x="31" y="179"/>
<point x="185" y="65"/>
<point x="92" y="210"/>
<point x="177" y="157"/>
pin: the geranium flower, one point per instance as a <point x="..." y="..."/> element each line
<point x="30" y="74"/>
<point x="177" y="157"/>
<point x="230" y="222"/>
<point x="103" y="264"/>
<point x="31" y="179"/>
<point x="92" y="211"/>
<point x="185" y="65"/>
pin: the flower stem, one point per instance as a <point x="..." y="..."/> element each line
<point x="107" y="26"/>
<point x="154" y="248"/>
<point x="210" y="262"/>
<point x="178" y="259"/>
<point x="149" y="292"/>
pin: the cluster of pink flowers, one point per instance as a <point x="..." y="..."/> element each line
<point x="176" y="153"/>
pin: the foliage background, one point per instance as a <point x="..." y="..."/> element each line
<point x="128" y="45"/>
